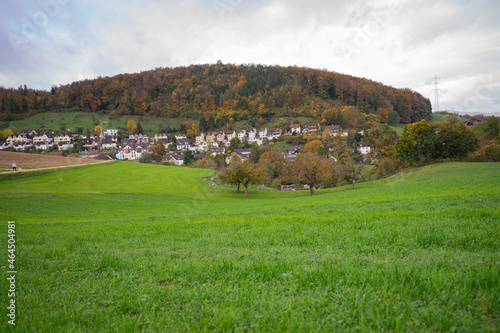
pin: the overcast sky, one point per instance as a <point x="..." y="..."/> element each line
<point x="399" y="43"/>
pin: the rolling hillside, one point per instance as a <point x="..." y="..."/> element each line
<point x="131" y="247"/>
<point x="228" y="92"/>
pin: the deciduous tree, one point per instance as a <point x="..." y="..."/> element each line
<point x="309" y="169"/>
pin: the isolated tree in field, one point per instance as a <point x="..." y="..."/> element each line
<point x="308" y="169"/>
<point x="250" y="175"/>
<point x="97" y="129"/>
<point x="232" y="174"/>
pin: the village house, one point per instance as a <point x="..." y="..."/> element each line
<point x="294" y="149"/>
<point x="65" y="137"/>
<point x="183" y="144"/>
<point x="276" y="133"/>
<point x="43" y="141"/>
<point x="309" y="128"/>
<point x="44" y="145"/>
<point x="217" y="151"/>
<point x="180" y="137"/>
<point x="22" y="146"/>
<point x="166" y="141"/>
<point x="263" y="133"/>
<point x="160" y="137"/>
<point x="245" y="151"/>
<point x="120" y="155"/>
<point x="242" y="135"/>
<point x="64" y="145"/>
<point x="199" y="156"/>
<point x="110" y="132"/>
<point x="176" y="158"/>
<point x="88" y="143"/>
<point x="108" y="143"/>
<point x="236" y="155"/>
<point x="295" y="129"/>
<point x="252" y="134"/>
<point x="133" y="155"/>
<point x="231" y="135"/>
<point x="221" y="136"/>
<point x="30" y="132"/>
<point x="93" y="153"/>
<point x="211" y="137"/>
<point x="364" y="148"/>
<point x="476" y="120"/>
<point x="200" y="137"/>
<point x="5" y="146"/>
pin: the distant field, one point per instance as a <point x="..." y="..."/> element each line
<point x="73" y="119"/>
<point x="35" y="161"/>
<point x="129" y="247"/>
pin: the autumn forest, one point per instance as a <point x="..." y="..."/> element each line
<point x="226" y="91"/>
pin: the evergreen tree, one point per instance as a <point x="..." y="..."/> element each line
<point x="340" y="120"/>
<point x="202" y="124"/>
<point x="188" y="157"/>
<point x="139" y="128"/>
<point x="211" y="122"/>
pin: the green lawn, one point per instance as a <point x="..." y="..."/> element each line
<point x="131" y="247"/>
<point x="72" y="119"/>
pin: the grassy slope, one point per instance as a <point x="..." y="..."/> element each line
<point x="129" y="247"/>
<point x="54" y="120"/>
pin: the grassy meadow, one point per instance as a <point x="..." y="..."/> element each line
<point x="132" y="247"/>
<point x="71" y="119"/>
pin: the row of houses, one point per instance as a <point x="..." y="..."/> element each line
<point x="30" y="139"/>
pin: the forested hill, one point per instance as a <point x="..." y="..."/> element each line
<point x="224" y="90"/>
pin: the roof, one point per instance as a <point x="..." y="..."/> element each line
<point x="295" y="148"/>
<point x="294" y="125"/>
<point x="332" y="127"/>
<point x="245" y="152"/>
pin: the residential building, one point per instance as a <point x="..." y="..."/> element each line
<point x="200" y="137"/>
<point x="221" y="136"/>
<point x="295" y="129"/>
<point x="231" y="135"/>
<point x="242" y="135"/>
<point x="364" y="148"/>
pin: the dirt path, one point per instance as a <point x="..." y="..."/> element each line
<point x="54" y="167"/>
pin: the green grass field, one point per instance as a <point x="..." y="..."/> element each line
<point x="127" y="247"/>
<point x="72" y="119"/>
